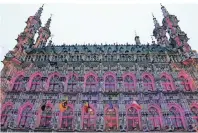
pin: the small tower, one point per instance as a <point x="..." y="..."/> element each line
<point x="137" y="39"/>
<point x="44" y="34"/>
<point x="26" y="38"/>
<point x="178" y="38"/>
<point x="159" y="33"/>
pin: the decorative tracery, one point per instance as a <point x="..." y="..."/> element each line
<point x="167" y="82"/>
<point x="26" y="117"/>
<point x="46" y="117"/>
<point x="67" y="119"/>
<point x="154" y="118"/>
<point x="19" y="84"/>
<point x="129" y="83"/>
<point x="5" y="114"/>
<point x="176" y="118"/>
<point x="55" y="84"/>
<point x="91" y="84"/>
<point x="110" y="83"/>
<point x="36" y="83"/>
<point x="148" y="83"/>
<point x="133" y="119"/>
<point x="72" y="85"/>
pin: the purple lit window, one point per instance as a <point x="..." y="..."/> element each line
<point x="148" y="83"/>
<point x="154" y="117"/>
<point x="176" y="118"/>
<point x="67" y="119"/>
<point x="129" y="83"/>
<point x="91" y="84"/>
<point x="46" y="117"/>
<point x="109" y="83"/>
<point x="72" y="84"/>
<point x="133" y="119"/>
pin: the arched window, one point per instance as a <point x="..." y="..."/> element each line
<point x="5" y="114"/>
<point x="72" y="85"/>
<point x="46" y="117"/>
<point x="55" y="84"/>
<point x="91" y="84"/>
<point x="89" y="119"/>
<point x="129" y="83"/>
<point x="19" y="84"/>
<point x="185" y="82"/>
<point x="36" y="84"/>
<point x="110" y="83"/>
<point x="167" y="83"/>
<point x="133" y="119"/>
<point x="176" y="118"/>
<point x="111" y="119"/>
<point x="195" y="113"/>
<point x="26" y="117"/>
<point x="67" y="119"/>
<point x="148" y="83"/>
<point x="154" y="118"/>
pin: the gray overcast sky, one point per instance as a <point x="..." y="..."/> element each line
<point x="90" y="23"/>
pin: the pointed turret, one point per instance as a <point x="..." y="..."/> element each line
<point x="159" y="33"/>
<point x="164" y="11"/>
<point x="39" y="12"/>
<point x="178" y="38"/>
<point x="44" y="34"/>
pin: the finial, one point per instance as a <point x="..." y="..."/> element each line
<point x="161" y="4"/>
<point x="153" y="15"/>
<point x="51" y="15"/>
<point x="135" y="33"/>
<point x="42" y="6"/>
<point x="47" y="25"/>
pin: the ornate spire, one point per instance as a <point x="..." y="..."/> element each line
<point x="137" y="39"/>
<point x="164" y="11"/>
<point x="156" y="24"/>
<point x="39" y="12"/>
<point x="47" y="25"/>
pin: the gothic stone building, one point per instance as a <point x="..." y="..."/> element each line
<point x="162" y="77"/>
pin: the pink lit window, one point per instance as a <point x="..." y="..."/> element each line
<point x="72" y="84"/>
<point x="129" y="83"/>
<point x="67" y="119"/>
<point x="46" y="117"/>
<point x="185" y="83"/>
<point x="148" y="83"/>
<point x="19" y="84"/>
<point x="89" y="120"/>
<point x="26" y="116"/>
<point x="166" y="83"/>
<point x="176" y="118"/>
<point x="154" y="118"/>
<point x="111" y="120"/>
<point x="36" y="84"/>
<point x="6" y="113"/>
<point x="109" y="83"/>
<point x="91" y="84"/>
<point x="195" y="114"/>
<point x="55" y="84"/>
<point x="133" y="119"/>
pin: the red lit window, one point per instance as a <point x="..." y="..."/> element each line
<point x="46" y="117"/>
<point x="148" y="83"/>
<point x="26" y="116"/>
<point x="67" y="119"/>
<point x="89" y="120"/>
<point x="111" y="119"/>
<point x="166" y="83"/>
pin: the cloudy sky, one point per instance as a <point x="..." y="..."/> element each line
<point x="95" y="22"/>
